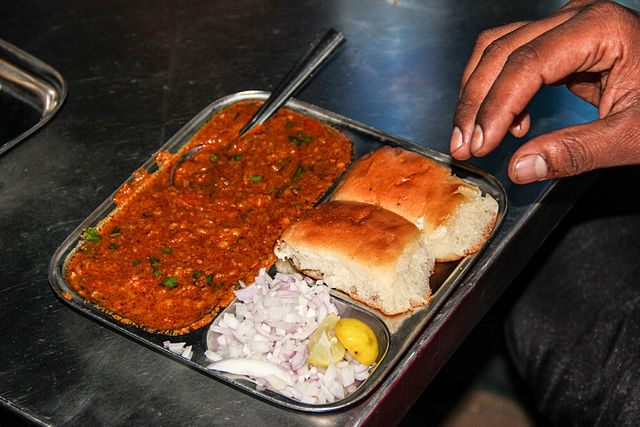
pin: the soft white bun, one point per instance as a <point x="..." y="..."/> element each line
<point x="372" y="254"/>
<point x="455" y="216"/>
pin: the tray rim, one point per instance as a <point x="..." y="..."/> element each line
<point x="45" y="72"/>
<point x="136" y="333"/>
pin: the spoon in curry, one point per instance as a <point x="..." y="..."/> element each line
<point x="321" y="50"/>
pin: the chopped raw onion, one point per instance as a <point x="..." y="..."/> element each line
<point x="267" y="340"/>
<point x="179" y="348"/>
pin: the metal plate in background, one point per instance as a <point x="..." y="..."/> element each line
<point x="31" y="92"/>
<point x="396" y="332"/>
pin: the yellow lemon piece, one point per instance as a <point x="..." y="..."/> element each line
<point x="324" y="347"/>
<point x="359" y="339"/>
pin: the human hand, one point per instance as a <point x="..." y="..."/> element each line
<point x="593" y="47"/>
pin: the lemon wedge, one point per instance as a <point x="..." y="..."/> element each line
<point x="324" y="346"/>
<point x="359" y="339"/>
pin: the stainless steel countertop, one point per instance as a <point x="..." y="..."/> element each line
<point x="136" y="72"/>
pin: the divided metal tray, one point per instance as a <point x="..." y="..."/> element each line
<point x="395" y="333"/>
<point x="31" y="92"/>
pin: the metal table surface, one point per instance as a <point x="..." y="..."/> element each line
<point x="136" y="72"/>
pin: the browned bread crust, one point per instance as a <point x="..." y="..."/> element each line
<point x="424" y="192"/>
<point x="370" y="253"/>
<point x="362" y="232"/>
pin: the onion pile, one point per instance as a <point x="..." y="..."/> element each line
<point x="267" y="340"/>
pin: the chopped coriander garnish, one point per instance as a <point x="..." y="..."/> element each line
<point x="256" y="178"/>
<point x="113" y="246"/>
<point x="92" y="235"/>
<point x="300" y="138"/>
<point x="136" y="262"/>
<point x="298" y="173"/>
<point x="115" y="232"/>
<point x="166" y="250"/>
<point x="328" y="128"/>
<point x="213" y="158"/>
<point x="235" y="157"/>
<point x="209" y="278"/>
<point x="289" y="125"/>
<point x="237" y="286"/>
<point x="196" y="274"/>
<point x="154" y="265"/>
<point x="170" y="282"/>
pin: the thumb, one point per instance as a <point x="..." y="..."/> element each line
<point x="611" y="141"/>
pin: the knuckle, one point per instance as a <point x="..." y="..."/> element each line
<point x="571" y="156"/>
<point x="498" y="48"/>
<point x="485" y="38"/>
<point x="465" y="102"/>
<point x="526" y="56"/>
<point x="606" y="9"/>
<point x="623" y="138"/>
<point x="464" y="109"/>
<point x="616" y="17"/>
<point x="470" y="98"/>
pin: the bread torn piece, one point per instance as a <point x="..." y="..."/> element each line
<point x="455" y="216"/>
<point x="372" y="254"/>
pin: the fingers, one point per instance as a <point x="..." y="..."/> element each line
<point x="607" y="142"/>
<point x="520" y="125"/>
<point x="492" y="50"/>
<point x="459" y="145"/>
<point x="534" y="29"/>
<point x="482" y="42"/>
<point x="581" y="44"/>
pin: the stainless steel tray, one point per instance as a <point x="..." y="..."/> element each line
<point x="31" y="92"/>
<point x="395" y="333"/>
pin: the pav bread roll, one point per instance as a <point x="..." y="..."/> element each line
<point x="373" y="255"/>
<point x="455" y="216"/>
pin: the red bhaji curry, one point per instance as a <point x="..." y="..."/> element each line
<point x="169" y="257"/>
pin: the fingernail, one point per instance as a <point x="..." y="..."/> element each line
<point x="516" y="130"/>
<point x="530" y="168"/>
<point x="456" y="140"/>
<point x="477" y="139"/>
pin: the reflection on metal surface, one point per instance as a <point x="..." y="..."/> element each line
<point x="28" y="88"/>
<point x="30" y="93"/>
